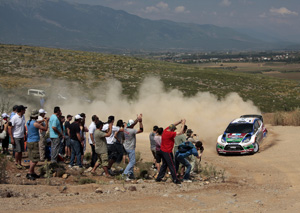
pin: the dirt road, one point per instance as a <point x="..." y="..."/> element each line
<point x="265" y="182"/>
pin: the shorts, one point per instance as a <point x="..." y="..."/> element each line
<point x="158" y="156"/>
<point x="68" y="141"/>
<point x="153" y="152"/>
<point x="33" y="151"/>
<point x="102" y="159"/>
<point x="112" y="151"/>
<point x="19" y="145"/>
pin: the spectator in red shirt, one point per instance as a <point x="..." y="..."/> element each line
<point x="167" y="144"/>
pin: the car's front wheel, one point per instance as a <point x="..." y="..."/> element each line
<point x="256" y="147"/>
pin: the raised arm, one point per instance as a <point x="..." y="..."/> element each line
<point x="182" y="127"/>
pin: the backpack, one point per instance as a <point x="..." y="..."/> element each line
<point x="185" y="146"/>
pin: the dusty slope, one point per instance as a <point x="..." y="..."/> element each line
<point x="265" y="182"/>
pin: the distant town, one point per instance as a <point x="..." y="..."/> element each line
<point x="197" y="58"/>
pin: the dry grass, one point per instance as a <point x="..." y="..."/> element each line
<point x="283" y="118"/>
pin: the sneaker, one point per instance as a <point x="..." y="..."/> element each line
<point x="30" y="177"/>
<point x="111" y="173"/>
<point x="127" y="179"/>
<point x="177" y="181"/>
<point x="35" y="175"/>
<point x="70" y="166"/>
<point x="187" y="181"/>
<point x="158" y="180"/>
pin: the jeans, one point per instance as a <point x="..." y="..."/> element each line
<point x="62" y="146"/>
<point x="186" y="163"/>
<point x="129" y="168"/>
<point x="75" y="146"/>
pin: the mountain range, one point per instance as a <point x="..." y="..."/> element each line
<point x="57" y="23"/>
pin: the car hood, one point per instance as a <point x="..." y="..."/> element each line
<point x="235" y="137"/>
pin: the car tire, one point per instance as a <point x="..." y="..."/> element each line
<point x="256" y="147"/>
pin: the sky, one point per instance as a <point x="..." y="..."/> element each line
<point x="277" y="18"/>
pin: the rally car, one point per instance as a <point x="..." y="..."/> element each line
<point x="243" y="135"/>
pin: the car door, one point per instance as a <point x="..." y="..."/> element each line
<point x="258" y="127"/>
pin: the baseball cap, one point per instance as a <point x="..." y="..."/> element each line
<point x="20" y="108"/>
<point x="130" y="122"/>
<point x="4" y="115"/>
<point x="42" y="111"/>
<point x="34" y="113"/>
<point x="77" y="117"/>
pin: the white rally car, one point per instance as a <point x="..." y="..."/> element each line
<point x="243" y="135"/>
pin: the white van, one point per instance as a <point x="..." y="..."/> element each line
<point x="37" y="92"/>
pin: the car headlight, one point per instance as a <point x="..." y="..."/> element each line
<point x="222" y="140"/>
<point x="246" y="140"/>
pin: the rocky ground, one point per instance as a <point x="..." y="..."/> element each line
<point x="265" y="182"/>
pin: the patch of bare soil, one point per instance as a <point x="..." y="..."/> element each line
<point x="264" y="182"/>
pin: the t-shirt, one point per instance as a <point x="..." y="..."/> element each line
<point x="32" y="132"/>
<point x="67" y="126"/>
<point x="18" y="126"/>
<point x="74" y="129"/>
<point x="167" y="140"/>
<point x="92" y="129"/>
<point x="130" y="139"/>
<point x="120" y="137"/>
<point x="54" y="122"/>
<point x="152" y="141"/>
<point x="114" y="129"/>
<point x="157" y="139"/>
<point x="100" y="142"/>
<point x="179" y="139"/>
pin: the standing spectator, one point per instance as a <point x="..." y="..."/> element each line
<point x="184" y="150"/>
<point x="167" y="144"/>
<point x="76" y="141"/>
<point x="83" y="132"/>
<point x="55" y="133"/>
<point x="62" y="120"/>
<point x="130" y="144"/>
<point x="119" y="140"/>
<point x="13" y="112"/>
<point x="42" y="143"/>
<point x="101" y="147"/>
<point x="17" y="134"/>
<point x="153" y="144"/>
<point x="92" y="129"/>
<point x="5" y="140"/>
<point x="33" y="138"/>
<point x="179" y="139"/>
<point x="158" y="154"/>
<point x="111" y="148"/>
<point x="67" y="138"/>
<point x="4" y="132"/>
<point x="191" y="137"/>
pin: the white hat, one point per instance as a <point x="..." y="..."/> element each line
<point x="77" y="117"/>
<point x="42" y="111"/>
<point x="130" y="122"/>
<point x="4" y="115"/>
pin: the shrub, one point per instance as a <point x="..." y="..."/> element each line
<point x="82" y="181"/>
<point x="3" y="164"/>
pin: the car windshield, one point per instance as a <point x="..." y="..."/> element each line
<point x="239" y="128"/>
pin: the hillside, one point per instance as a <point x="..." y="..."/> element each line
<point x="24" y="67"/>
<point x="60" y="24"/>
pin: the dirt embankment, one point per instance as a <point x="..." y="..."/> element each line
<point x="265" y="182"/>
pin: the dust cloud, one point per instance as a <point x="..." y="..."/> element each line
<point x="205" y="114"/>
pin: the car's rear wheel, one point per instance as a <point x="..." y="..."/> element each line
<point x="256" y="147"/>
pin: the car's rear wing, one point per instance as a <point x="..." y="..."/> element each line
<point x="253" y="116"/>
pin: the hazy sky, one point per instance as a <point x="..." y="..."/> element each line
<point x="279" y="18"/>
